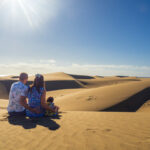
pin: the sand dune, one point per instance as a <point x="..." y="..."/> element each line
<point x="3" y="104"/>
<point x="60" y="80"/>
<point x="100" y="98"/>
<point x="81" y="76"/>
<point x="85" y="93"/>
<point x="145" y="107"/>
<point x="105" y="81"/>
<point x="82" y="125"/>
<point x="3" y="91"/>
<point x="77" y="130"/>
<point x="53" y="81"/>
<point x="55" y="76"/>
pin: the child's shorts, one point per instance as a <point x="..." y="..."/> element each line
<point x="50" y="114"/>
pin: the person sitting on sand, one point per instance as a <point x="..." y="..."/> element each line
<point x="17" y="95"/>
<point x="36" y="98"/>
<point x="50" y="102"/>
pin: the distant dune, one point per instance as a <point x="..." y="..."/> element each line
<point x="87" y="93"/>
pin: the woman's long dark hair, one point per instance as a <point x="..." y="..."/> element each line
<point x="38" y="83"/>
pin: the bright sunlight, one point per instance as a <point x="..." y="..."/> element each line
<point x="31" y="12"/>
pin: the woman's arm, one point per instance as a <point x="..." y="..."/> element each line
<point x="43" y="102"/>
<point x="23" y="102"/>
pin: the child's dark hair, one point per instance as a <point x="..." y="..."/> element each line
<point x="50" y="99"/>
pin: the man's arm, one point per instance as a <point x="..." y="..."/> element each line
<point x="23" y="102"/>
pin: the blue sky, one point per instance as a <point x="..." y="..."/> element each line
<point x="102" y="37"/>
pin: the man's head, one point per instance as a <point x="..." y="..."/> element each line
<point x="23" y="77"/>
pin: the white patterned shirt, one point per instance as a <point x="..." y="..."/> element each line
<point x="17" y="90"/>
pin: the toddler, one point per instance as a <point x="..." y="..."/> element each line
<point x="50" y="102"/>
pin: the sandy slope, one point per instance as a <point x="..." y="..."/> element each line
<point x="97" y="82"/>
<point x="85" y="93"/>
<point x="93" y="99"/>
<point x="53" y="81"/>
<point x="100" y="98"/>
<point x="145" y="107"/>
<point x="3" y="104"/>
<point x="60" y="80"/>
<point x="55" y="76"/>
<point x="3" y="91"/>
<point x="77" y="131"/>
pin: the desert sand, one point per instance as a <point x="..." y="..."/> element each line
<point x="97" y="113"/>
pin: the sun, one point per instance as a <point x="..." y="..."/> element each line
<point x="16" y="8"/>
<point x="31" y="12"/>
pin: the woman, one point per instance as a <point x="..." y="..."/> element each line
<point x="37" y="97"/>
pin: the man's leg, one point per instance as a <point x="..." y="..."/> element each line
<point x="17" y="113"/>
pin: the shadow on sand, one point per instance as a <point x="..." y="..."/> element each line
<point x="30" y="123"/>
<point x="133" y="103"/>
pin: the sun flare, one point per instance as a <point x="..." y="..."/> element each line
<point x="31" y="12"/>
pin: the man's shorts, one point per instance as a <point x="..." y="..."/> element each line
<point x="23" y="113"/>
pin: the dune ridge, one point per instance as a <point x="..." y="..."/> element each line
<point x="60" y="80"/>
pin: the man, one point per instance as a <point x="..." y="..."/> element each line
<point x="17" y="97"/>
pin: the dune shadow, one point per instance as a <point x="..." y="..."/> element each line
<point x="133" y="103"/>
<point x="7" y="84"/>
<point x="120" y="76"/>
<point x="62" y="84"/>
<point x="81" y="76"/>
<point x="30" y="123"/>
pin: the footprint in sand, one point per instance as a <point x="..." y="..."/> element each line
<point x="91" y="98"/>
<point x="4" y="117"/>
<point x="91" y="130"/>
<point x="107" y="130"/>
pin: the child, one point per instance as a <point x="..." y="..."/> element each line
<point x="50" y="102"/>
